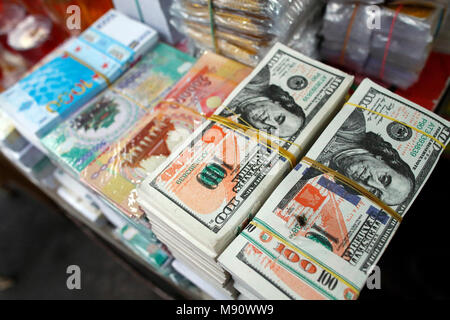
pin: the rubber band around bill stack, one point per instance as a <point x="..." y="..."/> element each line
<point x="398" y="121"/>
<point x="349" y="182"/>
<point x="259" y="136"/>
<point x="354" y="185"/>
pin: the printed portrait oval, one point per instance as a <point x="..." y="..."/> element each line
<point x="297" y="83"/>
<point x="399" y="132"/>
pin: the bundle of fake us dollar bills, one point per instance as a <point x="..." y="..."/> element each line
<point x="202" y="195"/>
<point x="328" y="223"/>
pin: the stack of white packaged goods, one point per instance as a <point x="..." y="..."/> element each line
<point x="305" y="39"/>
<point x="206" y="191"/>
<point x="400" y="47"/>
<point x="390" y="42"/>
<point x="155" y="13"/>
<point x="344" y="45"/>
<point x="327" y="224"/>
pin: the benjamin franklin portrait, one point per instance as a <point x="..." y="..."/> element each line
<point x="369" y="160"/>
<point x="267" y="107"/>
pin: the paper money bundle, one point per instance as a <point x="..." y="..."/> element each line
<point x="244" y="30"/>
<point x="115" y="173"/>
<point x="198" y="200"/>
<point x="88" y="64"/>
<point x="85" y="135"/>
<point x="388" y="42"/>
<point x="328" y="223"/>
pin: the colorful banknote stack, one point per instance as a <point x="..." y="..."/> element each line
<point x="198" y="200"/>
<point x="89" y="63"/>
<point x="124" y="164"/>
<point x="84" y="136"/>
<point x="327" y="224"/>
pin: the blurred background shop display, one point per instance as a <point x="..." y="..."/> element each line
<point x="388" y="41"/>
<point x="30" y="29"/>
<point x="391" y="42"/>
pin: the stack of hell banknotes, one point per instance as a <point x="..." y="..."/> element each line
<point x="86" y="65"/>
<point x="202" y="196"/>
<point x="120" y="167"/>
<point x="327" y="224"/>
<point x="79" y="140"/>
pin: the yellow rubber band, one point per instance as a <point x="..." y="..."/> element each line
<point x="265" y="133"/>
<point x="354" y="185"/>
<point x="247" y="130"/>
<point x="256" y="135"/>
<point x="398" y="121"/>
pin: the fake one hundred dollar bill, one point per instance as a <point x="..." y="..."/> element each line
<point x="318" y="236"/>
<point x="220" y="177"/>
